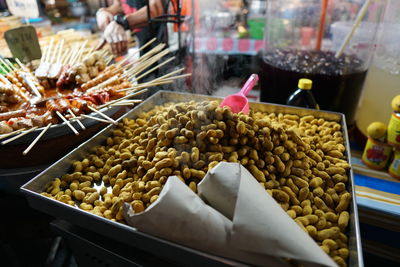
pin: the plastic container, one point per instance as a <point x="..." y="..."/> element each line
<point x="383" y="79"/>
<point x="293" y="50"/>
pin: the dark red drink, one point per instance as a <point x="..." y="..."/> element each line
<point x="337" y="82"/>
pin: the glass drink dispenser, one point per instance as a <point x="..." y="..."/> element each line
<point x="382" y="83"/>
<point x="306" y="39"/>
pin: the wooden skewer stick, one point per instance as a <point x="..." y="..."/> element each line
<point x="144" y="65"/>
<point x="178" y="77"/>
<point x="96" y="119"/>
<point x="26" y="151"/>
<point x="54" y="54"/>
<point x="78" y="121"/>
<point x="11" y="65"/>
<point x="81" y="51"/>
<point x="150" y="53"/>
<point x="64" y="57"/>
<point x="74" y="54"/>
<point x="168" y="75"/>
<point x="60" y="51"/>
<point x="137" y="51"/>
<point x="123" y="98"/>
<point x="103" y="115"/>
<point x="153" y="69"/>
<point x="144" y="85"/>
<point x="67" y="122"/>
<point x="48" y="56"/>
<point x="3" y="136"/>
<point x="4" y="70"/>
<point x="21" y="65"/>
<point x="127" y="103"/>
<point x="18" y="136"/>
<point x="5" y="66"/>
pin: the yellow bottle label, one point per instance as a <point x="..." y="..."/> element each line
<point x="394" y="130"/>
<point x="376" y="154"/>
<point x="394" y="168"/>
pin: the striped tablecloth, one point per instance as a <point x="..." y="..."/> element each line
<point x="375" y="189"/>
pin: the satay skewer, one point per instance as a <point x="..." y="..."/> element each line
<point x="78" y="121"/>
<point x="18" y="136"/>
<point x="102" y="114"/>
<point x="67" y="122"/>
<point x="26" y="151"/>
<point x="3" y="136"/>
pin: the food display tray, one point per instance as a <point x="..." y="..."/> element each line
<point x="171" y="252"/>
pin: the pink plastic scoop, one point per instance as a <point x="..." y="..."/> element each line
<point x="238" y="102"/>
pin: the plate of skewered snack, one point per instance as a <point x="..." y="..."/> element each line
<point x="71" y="90"/>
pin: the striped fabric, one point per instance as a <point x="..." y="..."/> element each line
<point x="376" y="190"/>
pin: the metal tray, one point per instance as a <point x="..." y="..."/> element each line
<point x="132" y="236"/>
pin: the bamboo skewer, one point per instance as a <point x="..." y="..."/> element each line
<point x="64" y="57"/>
<point x="123" y="98"/>
<point x="3" y="136"/>
<point x="144" y="85"/>
<point x="67" y="122"/>
<point x="26" y="151"/>
<point x="126" y="103"/>
<point x="78" y="121"/>
<point x="156" y="67"/>
<point x="96" y="119"/>
<point x="4" y="70"/>
<point x="145" y="64"/>
<point x="21" y="65"/>
<point x="178" y="77"/>
<point x="18" y="136"/>
<point x="47" y="59"/>
<point x="140" y="49"/>
<point x="60" y="51"/>
<point x="103" y="115"/>
<point x="5" y="66"/>
<point x="11" y="65"/>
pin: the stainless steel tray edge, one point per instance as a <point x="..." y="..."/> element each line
<point x="58" y="209"/>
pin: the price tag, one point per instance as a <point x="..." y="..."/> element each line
<point x="23" y="8"/>
<point x="23" y="43"/>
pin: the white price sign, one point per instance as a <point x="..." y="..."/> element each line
<point x="23" y="8"/>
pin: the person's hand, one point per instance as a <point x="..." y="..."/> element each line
<point x="103" y="18"/>
<point x="115" y="35"/>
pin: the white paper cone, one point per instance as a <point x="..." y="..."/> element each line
<point x="260" y="225"/>
<point x="179" y="215"/>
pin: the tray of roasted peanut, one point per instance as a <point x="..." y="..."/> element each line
<point x="300" y="156"/>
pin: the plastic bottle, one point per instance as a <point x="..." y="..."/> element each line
<point x="394" y="123"/>
<point x="303" y="96"/>
<point x="394" y="168"/>
<point x="376" y="153"/>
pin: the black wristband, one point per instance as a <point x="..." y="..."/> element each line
<point x="121" y="20"/>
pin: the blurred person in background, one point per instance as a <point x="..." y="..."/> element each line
<point x="124" y="15"/>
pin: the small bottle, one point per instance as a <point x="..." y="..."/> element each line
<point x="394" y="168"/>
<point x="394" y="123"/>
<point x="376" y="153"/>
<point x="303" y="97"/>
